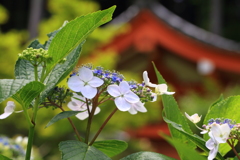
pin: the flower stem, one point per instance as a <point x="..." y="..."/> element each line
<point x="73" y="126"/>
<point x="103" y="125"/>
<point x="30" y="142"/>
<point x="231" y="144"/>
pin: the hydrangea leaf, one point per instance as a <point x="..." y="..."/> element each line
<point x="27" y="93"/>
<point x="147" y="155"/>
<point x="200" y="142"/>
<point x="75" y="150"/>
<point x="224" y="108"/>
<point x="111" y="147"/>
<point x="2" y="157"/>
<point x="173" y="113"/>
<point x="9" y="87"/>
<point x="189" y="154"/>
<point x="62" y="115"/>
<point x="61" y="71"/>
<point x="74" y="33"/>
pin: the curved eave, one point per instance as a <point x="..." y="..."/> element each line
<point x="146" y="24"/>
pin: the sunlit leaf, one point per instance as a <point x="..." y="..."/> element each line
<point x="173" y="113"/>
<point x="76" y="150"/>
<point x="147" y="156"/>
<point x="111" y="147"/>
<point x="9" y="87"/>
<point x="30" y="91"/>
<point x="74" y="33"/>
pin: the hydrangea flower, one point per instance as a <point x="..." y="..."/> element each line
<point x="162" y="89"/>
<point x="147" y="80"/>
<point x="159" y="88"/>
<point x="194" y="118"/>
<point x="85" y="82"/>
<point x="219" y="133"/>
<point x="9" y="109"/>
<point x="78" y="104"/>
<point x="137" y="107"/>
<point x="124" y="97"/>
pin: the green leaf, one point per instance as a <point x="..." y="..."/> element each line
<point x="61" y="71"/>
<point x="172" y="112"/>
<point x="227" y="108"/>
<point x="9" y="87"/>
<point x="62" y="115"/>
<point x="200" y="142"/>
<point x="147" y="156"/>
<point x="189" y="153"/>
<point x="111" y="147"/>
<point x="74" y="33"/>
<point x="76" y="150"/>
<point x="27" y="93"/>
<point x="2" y="157"/>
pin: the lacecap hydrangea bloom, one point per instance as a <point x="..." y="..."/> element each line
<point x="96" y="86"/>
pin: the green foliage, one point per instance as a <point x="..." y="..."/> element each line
<point x="62" y="115"/>
<point x="194" y="138"/>
<point x="172" y="112"/>
<point x="4" y="158"/>
<point x="9" y="87"/>
<point x="147" y="155"/>
<point x="27" y="93"/>
<point x="110" y="147"/>
<point x="188" y="153"/>
<point x="75" y="150"/>
<point x="224" y="108"/>
<point x="74" y="33"/>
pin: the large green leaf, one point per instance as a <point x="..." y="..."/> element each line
<point x="62" y="115"/>
<point x="147" y="156"/>
<point x="61" y="71"/>
<point x="111" y="147"/>
<point x="2" y="157"/>
<point x="74" y="33"/>
<point x="172" y="112"/>
<point x="200" y="142"/>
<point x="9" y="87"/>
<point x="189" y="154"/>
<point x="76" y="150"/>
<point x="226" y="108"/>
<point x="27" y="93"/>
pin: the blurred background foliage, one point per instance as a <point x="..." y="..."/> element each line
<point x="47" y="139"/>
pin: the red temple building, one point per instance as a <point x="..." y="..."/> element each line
<point x="183" y="53"/>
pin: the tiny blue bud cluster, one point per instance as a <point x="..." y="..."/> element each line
<point x="230" y="123"/>
<point x="10" y="145"/>
<point x="108" y="76"/>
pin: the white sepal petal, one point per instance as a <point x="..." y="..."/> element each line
<point x="8" y="110"/>
<point x="85" y="74"/>
<point x="88" y="91"/>
<point x="122" y="104"/>
<point x="114" y="90"/>
<point x="95" y="82"/>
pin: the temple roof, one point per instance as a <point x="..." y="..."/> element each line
<point x="177" y="23"/>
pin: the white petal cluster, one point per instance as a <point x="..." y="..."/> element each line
<point x="160" y="89"/>
<point x="194" y="118"/>
<point x="78" y="103"/>
<point x="219" y="133"/>
<point x="85" y="82"/>
<point x="124" y="97"/>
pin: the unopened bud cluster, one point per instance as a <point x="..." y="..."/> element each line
<point x="58" y="96"/>
<point x="35" y="55"/>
